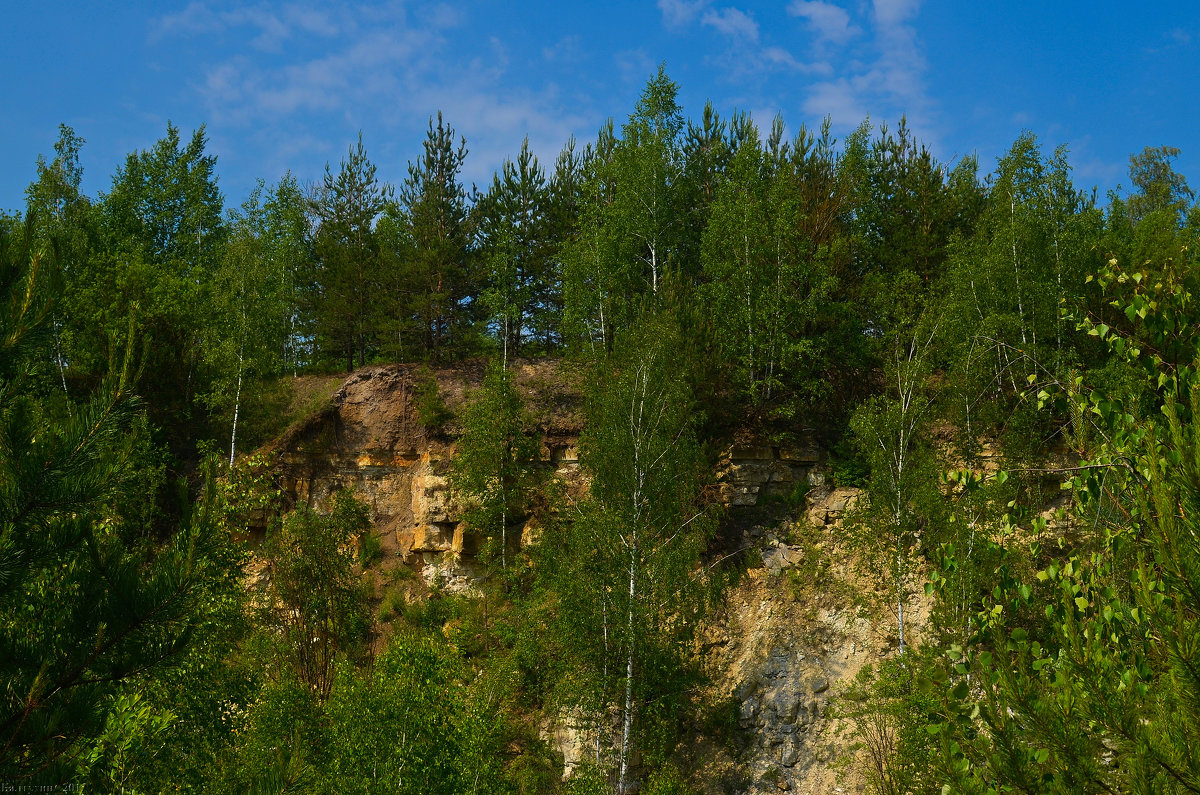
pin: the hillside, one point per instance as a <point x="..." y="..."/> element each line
<point x="787" y="637"/>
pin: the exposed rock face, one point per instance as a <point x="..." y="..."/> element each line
<point x="780" y="652"/>
<point x="370" y="440"/>
<point x="791" y="637"/>
<point x="747" y="473"/>
<point x="826" y="506"/>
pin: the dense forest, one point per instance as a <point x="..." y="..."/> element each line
<point x="712" y="280"/>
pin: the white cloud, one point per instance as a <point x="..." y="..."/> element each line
<point x="831" y="23"/>
<point x="884" y="75"/>
<point x="197" y="18"/>
<point x="568" y="49"/>
<point x="890" y="13"/>
<point x="274" y="25"/>
<point x="677" y="13"/>
<point x="779" y="57"/>
<point x="635" y="66"/>
<point x="387" y="70"/>
<point x="732" y="23"/>
<point x="842" y="100"/>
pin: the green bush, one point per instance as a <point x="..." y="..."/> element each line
<point x="432" y="411"/>
<point x="370" y="549"/>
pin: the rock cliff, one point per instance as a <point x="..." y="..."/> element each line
<point x="790" y="635"/>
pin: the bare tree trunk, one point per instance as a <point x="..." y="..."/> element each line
<point x="900" y="596"/>
<point x="623" y="778"/>
<point x="237" y="405"/>
<point x="604" y="615"/>
<point x="653" y="270"/>
<point x="1012" y="226"/>
<point x="62" y="373"/>
<point x="503" y="528"/>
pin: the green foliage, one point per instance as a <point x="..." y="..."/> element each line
<point x="1028" y="253"/>
<point x="889" y="747"/>
<point x="890" y="433"/>
<point x="314" y="599"/>
<point x="347" y="257"/>
<point x="1081" y="679"/>
<point x="722" y="282"/>
<point x="432" y="258"/>
<point x="495" y="461"/>
<point x="370" y="549"/>
<point x="133" y="733"/>
<point x="251" y="334"/>
<point x="281" y="741"/>
<point x="95" y="606"/>
<point x="847" y="466"/>
<point x="626" y="576"/>
<point x="410" y="718"/>
<point x="514" y="220"/>
<point x="630" y="224"/>
<point x="161" y="230"/>
<point x="432" y="411"/>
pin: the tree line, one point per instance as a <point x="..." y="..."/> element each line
<point x="712" y="277"/>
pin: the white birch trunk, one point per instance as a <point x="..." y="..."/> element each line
<point x="237" y="404"/>
<point x="626" y="729"/>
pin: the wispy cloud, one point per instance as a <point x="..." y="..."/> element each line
<point x="880" y="73"/>
<point x="777" y="57"/>
<point x="889" y="13"/>
<point x="274" y="25"/>
<point x="388" y="69"/>
<point x="744" y="53"/>
<point x="1172" y="41"/>
<point x="635" y="66"/>
<point x="830" y="22"/>
<point x="677" y="13"/>
<point x="568" y="49"/>
<point x="733" y="23"/>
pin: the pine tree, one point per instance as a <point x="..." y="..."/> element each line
<point x="345" y="208"/>
<point x="512" y="222"/>
<point x="92" y="600"/>
<point x="437" y="270"/>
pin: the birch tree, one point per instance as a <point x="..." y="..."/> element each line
<point x="253" y="311"/>
<point x="162" y="232"/>
<point x="889" y="429"/>
<point x="632" y="222"/>
<point x="649" y="164"/>
<point x="743" y="279"/>
<point x="63" y="223"/>
<point x="632" y="551"/>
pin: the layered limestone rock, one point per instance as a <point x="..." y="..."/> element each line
<point x="792" y="636"/>
<point x="779" y="651"/>
<point x="748" y="473"/>
<point x="370" y="440"/>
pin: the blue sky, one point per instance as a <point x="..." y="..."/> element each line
<point x="288" y="85"/>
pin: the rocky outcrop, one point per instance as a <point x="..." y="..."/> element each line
<point x="792" y="635"/>
<point x="749" y="473"/>
<point x="370" y="440"/>
<point x="778" y="652"/>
